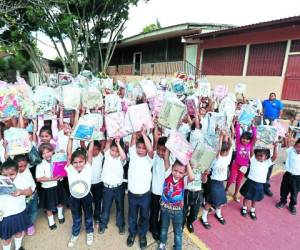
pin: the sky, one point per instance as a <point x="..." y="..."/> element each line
<point x="171" y="12"/>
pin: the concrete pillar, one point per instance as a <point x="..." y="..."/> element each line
<point x="246" y="59"/>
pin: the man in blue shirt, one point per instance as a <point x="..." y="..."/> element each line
<point x="272" y="108"/>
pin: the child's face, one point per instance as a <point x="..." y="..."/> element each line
<point x="245" y="141"/>
<point x="161" y="150"/>
<point x="202" y="111"/>
<point x="239" y="106"/>
<point x="114" y="152"/>
<point x="10" y="172"/>
<point x="297" y="117"/>
<point x="96" y="151"/>
<point x="45" y="137"/>
<point x="22" y="166"/>
<point x="78" y="163"/>
<point x="141" y="149"/>
<point x="297" y="148"/>
<point x="67" y="128"/>
<point x="260" y="157"/>
<point x="178" y="171"/>
<point x="47" y="154"/>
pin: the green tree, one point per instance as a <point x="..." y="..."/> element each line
<point x="152" y="27"/>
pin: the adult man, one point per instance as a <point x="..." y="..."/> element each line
<point x="272" y="109"/>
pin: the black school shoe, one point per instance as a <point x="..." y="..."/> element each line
<point x="122" y="230"/>
<point x="253" y="215"/>
<point x="280" y="204"/>
<point x="143" y="242"/>
<point x="205" y="224"/>
<point x="52" y="227"/>
<point x="268" y="192"/>
<point x="130" y="240"/>
<point x="244" y="212"/>
<point x="220" y="219"/>
<point x="101" y="230"/>
<point x="155" y="236"/>
<point x="61" y="221"/>
<point x="190" y="227"/>
<point x="21" y="248"/>
<point x="293" y="210"/>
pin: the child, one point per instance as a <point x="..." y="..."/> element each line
<point x="13" y="217"/>
<point x="139" y="184"/>
<point x="244" y="145"/>
<point x="53" y="194"/>
<point x="32" y="200"/>
<point x="97" y="184"/>
<point x="216" y="195"/>
<point x="113" y="190"/>
<point x="79" y="171"/>
<point x="158" y="178"/>
<point x="172" y="202"/>
<point x="253" y="188"/>
<point x="290" y="183"/>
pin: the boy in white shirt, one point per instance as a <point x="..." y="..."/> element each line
<point x="139" y="184"/>
<point x="290" y="183"/>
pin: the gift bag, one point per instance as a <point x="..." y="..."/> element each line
<point x="64" y="78"/>
<point x="91" y="98"/>
<point x="191" y="106"/>
<point x="203" y="156"/>
<point x="149" y="88"/>
<point x="140" y="115"/>
<point x="107" y="83"/>
<point x="179" y="147"/>
<point x="34" y="157"/>
<point x="266" y="134"/>
<point x="96" y="121"/>
<point x="178" y="87"/>
<point x="220" y="91"/>
<point x="112" y="103"/>
<point x="58" y="164"/>
<point x="156" y="103"/>
<point x="88" y="74"/>
<point x="203" y="89"/>
<point x="6" y="185"/>
<point x="71" y="96"/>
<point x="117" y="125"/>
<point x="17" y="141"/>
<point x="240" y="88"/>
<point x="171" y="114"/>
<point x="281" y="127"/>
<point x="45" y="99"/>
<point x="247" y="115"/>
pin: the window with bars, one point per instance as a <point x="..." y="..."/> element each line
<point x="295" y="46"/>
<point x="224" y="61"/>
<point x="266" y="59"/>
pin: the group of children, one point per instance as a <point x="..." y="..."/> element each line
<point x="160" y="188"/>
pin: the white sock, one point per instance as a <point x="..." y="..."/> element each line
<point x="218" y="212"/>
<point x="7" y="247"/>
<point x="60" y="213"/>
<point x="18" y="242"/>
<point x="244" y="207"/>
<point x="252" y="209"/>
<point x="51" y="220"/>
<point x="204" y="215"/>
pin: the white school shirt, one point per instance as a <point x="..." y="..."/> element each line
<point x="159" y="174"/>
<point x="259" y="170"/>
<point x="97" y="168"/>
<point x="62" y="141"/>
<point x="219" y="167"/>
<point x="292" y="164"/>
<point x="113" y="171"/>
<point x="26" y="175"/>
<point x="139" y="172"/>
<point x="2" y="151"/>
<point x="44" y="170"/>
<point x="84" y="175"/>
<point x="11" y="205"/>
<point x="196" y="184"/>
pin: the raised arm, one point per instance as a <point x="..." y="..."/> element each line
<point x="197" y="120"/>
<point x="121" y="150"/>
<point x="61" y="118"/>
<point x="133" y="139"/>
<point x="147" y="142"/>
<point x="90" y="153"/>
<point x="190" y="173"/>
<point x="275" y="152"/>
<point x="69" y="149"/>
<point x="167" y="159"/>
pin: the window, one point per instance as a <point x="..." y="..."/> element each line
<point x="295" y="46"/>
<point x="224" y="61"/>
<point x="266" y="59"/>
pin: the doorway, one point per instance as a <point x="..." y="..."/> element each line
<point x="137" y="61"/>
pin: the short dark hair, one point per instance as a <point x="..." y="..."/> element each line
<point x="19" y="158"/>
<point x="264" y="151"/>
<point x="298" y="141"/>
<point x="9" y="163"/>
<point x="45" y="145"/>
<point x="162" y="141"/>
<point x="46" y="129"/>
<point x="272" y="93"/>
<point x="247" y="135"/>
<point x="114" y="144"/>
<point x="79" y="152"/>
<point x="177" y="162"/>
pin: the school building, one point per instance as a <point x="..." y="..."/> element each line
<point x="265" y="56"/>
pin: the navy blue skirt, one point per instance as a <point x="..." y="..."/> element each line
<point x="252" y="190"/>
<point x="13" y="224"/>
<point x="51" y="197"/>
<point x="216" y="195"/>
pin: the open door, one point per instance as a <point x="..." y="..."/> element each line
<point x="191" y="54"/>
<point x="137" y="61"/>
